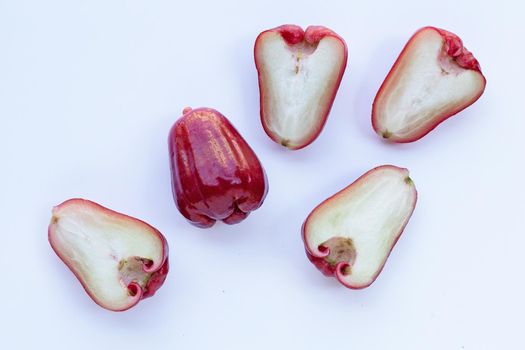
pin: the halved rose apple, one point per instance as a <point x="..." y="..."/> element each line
<point x="434" y="78"/>
<point x="299" y="74"/>
<point x="350" y="235"/>
<point x="119" y="260"/>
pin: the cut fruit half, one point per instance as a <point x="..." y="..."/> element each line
<point x="434" y="77"/>
<point x="299" y="74"/>
<point x="350" y="235"/>
<point x="119" y="260"/>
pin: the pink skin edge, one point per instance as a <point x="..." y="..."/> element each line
<point x="158" y="275"/>
<point x="317" y="257"/>
<point x="463" y="57"/>
<point x="294" y="34"/>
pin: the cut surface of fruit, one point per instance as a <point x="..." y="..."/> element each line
<point x="118" y="259"/>
<point x="434" y="78"/>
<point x="299" y="74"/>
<point x="351" y="234"/>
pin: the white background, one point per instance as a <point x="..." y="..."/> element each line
<point x="88" y="92"/>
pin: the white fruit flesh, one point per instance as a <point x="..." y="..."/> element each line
<point x="297" y="85"/>
<point x="105" y="251"/>
<point x="425" y="86"/>
<point x="368" y="216"/>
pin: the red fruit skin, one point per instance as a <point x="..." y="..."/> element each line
<point x="337" y="270"/>
<point x="215" y="173"/>
<point x="453" y="47"/>
<point x="157" y="277"/>
<point x="294" y="34"/>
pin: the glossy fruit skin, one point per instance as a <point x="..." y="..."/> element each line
<point x="294" y="34"/>
<point x="157" y="278"/>
<point x="453" y="47"/>
<point x="215" y="173"/>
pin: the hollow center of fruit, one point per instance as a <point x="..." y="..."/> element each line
<point x="341" y="249"/>
<point x="300" y="52"/>
<point x="132" y="271"/>
<point x="448" y="64"/>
